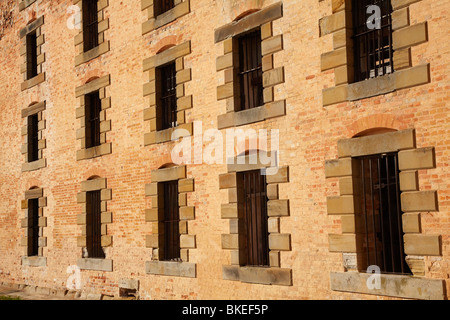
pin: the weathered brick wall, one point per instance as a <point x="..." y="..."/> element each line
<point x="308" y="136"/>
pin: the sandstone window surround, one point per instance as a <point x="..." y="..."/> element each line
<point x="155" y="215"/>
<point x="229" y="63"/>
<point x="86" y="263"/>
<point x="37" y="110"/>
<point x="103" y="44"/>
<point x="413" y="201"/>
<point x="23" y="4"/>
<point x="100" y="85"/>
<point x="178" y="54"/>
<point x="155" y="21"/>
<point x="339" y="25"/>
<point x="233" y="211"/>
<point x="40" y="260"/>
<point x="33" y="54"/>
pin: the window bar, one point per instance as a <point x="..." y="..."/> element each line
<point x="373" y="212"/>
<point x="399" y="216"/>
<point x="389" y="214"/>
<point x="365" y="209"/>
<point x="383" y="234"/>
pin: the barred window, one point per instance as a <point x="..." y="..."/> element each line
<point x="33" y="227"/>
<point x="93" y="225"/>
<point x="167" y="96"/>
<point x="92" y="118"/>
<point x="161" y="6"/>
<point x="31" y="41"/>
<point x="255" y="217"/>
<point x="382" y="215"/>
<point x="33" y="138"/>
<point x="90" y="24"/>
<point x="372" y="39"/>
<point x="171" y="245"/>
<point x="250" y="70"/>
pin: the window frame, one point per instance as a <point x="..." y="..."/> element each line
<point x="166" y="95"/>
<point x="171" y="244"/>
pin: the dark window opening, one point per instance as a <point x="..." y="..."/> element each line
<point x="32" y="55"/>
<point x="33" y="138"/>
<point x="33" y="227"/>
<point x="90" y="24"/>
<point x="92" y="118"/>
<point x="93" y="225"/>
<point x="167" y="89"/>
<point x="372" y="47"/>
<point x="250" y="70"/>
<point x="382" y="215"/>
<point x="161" y="6"/>
<point x="171" y="246"/>
<point x="255" y="218"/>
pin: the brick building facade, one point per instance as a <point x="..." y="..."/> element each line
<point x="61" y="166"/>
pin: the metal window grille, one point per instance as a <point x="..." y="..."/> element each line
<point x="33" y="138"/>
<point x="171" y="247"/>
<point x="256" y="220"/>
<point x="168" y="96"/>
<point x="93" y="225"/>
<point x="90" y="24"/>
<point x="31" y="55"/>
<point x="33" y="227"/>
<point x="162" y="6"/>
<point x="372" y="47"/>
<point x="250" y="70"/>
<point x="92" y="118"/>
<point x="382" y="216"/>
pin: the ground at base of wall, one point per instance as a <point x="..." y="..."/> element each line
<point x="24" y="292"/>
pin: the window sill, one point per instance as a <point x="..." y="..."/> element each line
<point x="95" y="264"/>
<point x="171" y="268"/>
<point x="27" y="84"/>
<point x="35" y="165"/>
<point x="34" y="261"/>
<point x="259" y="275"/>
<point x="171" y="134"/>
<point x="178" y="11"/>
<point x="94" y="152"/>
<point x="92" y="54"/>
<point x="240" y="118"/>
<point x="398" y="286"/>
